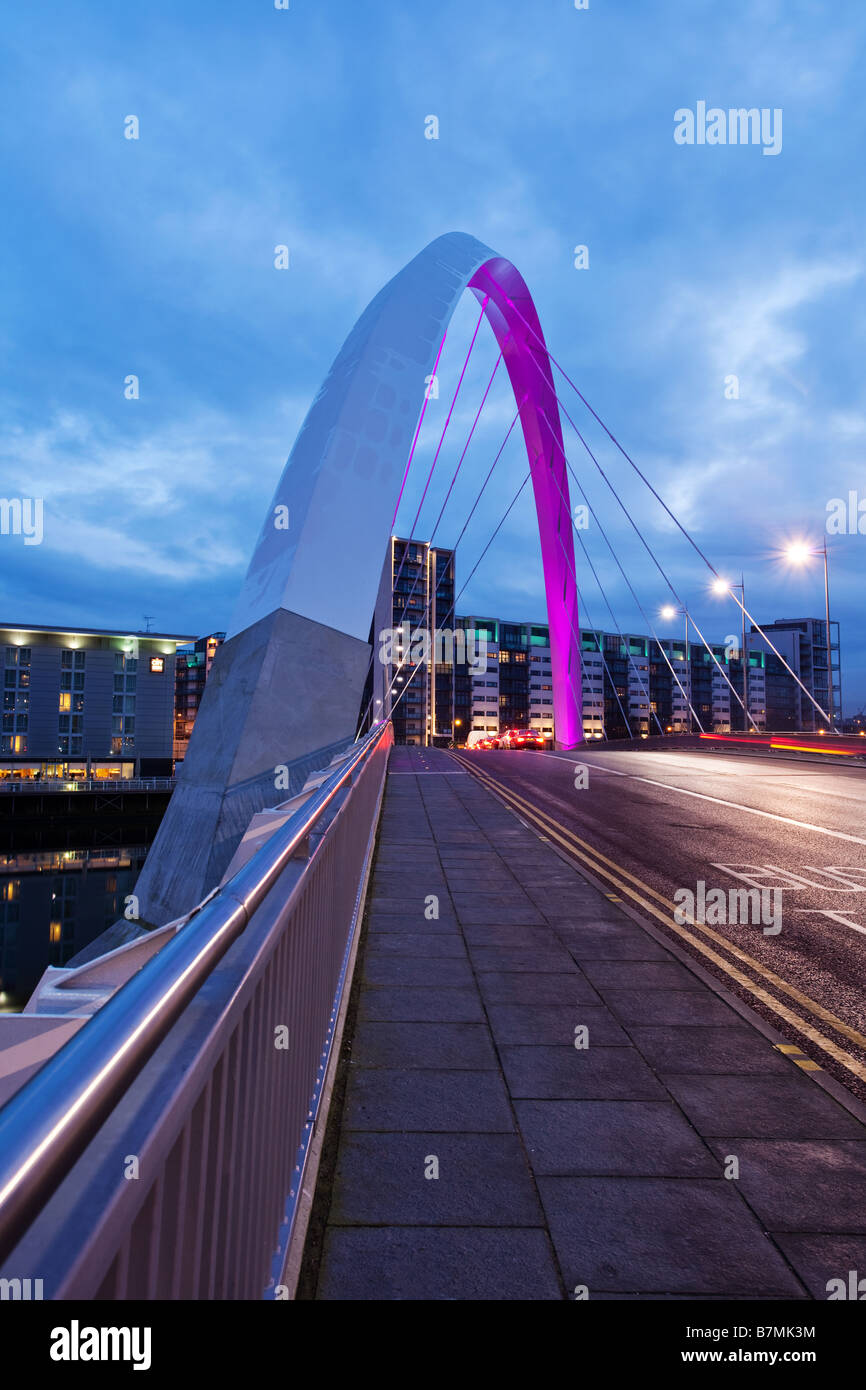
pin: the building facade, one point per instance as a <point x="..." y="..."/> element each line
<point x="632" y="685"/>
<point x="86" y="702"/>
<point x="803" y="644"/>
<point x="512" y="687"/>
<point x="192" y="668"/>
<point x="412" y="676"/>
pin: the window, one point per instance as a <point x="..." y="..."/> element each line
<point x="65" y="700"/>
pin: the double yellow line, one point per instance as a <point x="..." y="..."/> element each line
<point x="659" y="907"/>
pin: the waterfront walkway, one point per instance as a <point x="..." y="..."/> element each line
<point x="483" y="1155"/>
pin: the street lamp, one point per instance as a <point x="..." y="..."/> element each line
<point x="721" y="586"/>
<point x="669" y="611"/>
<point x="799" y="553"/>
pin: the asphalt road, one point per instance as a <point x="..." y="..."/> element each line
<point x="652" y="823"/>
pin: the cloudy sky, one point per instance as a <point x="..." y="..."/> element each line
<point x="306" y="127"/>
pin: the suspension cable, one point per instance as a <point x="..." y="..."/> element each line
<point x="692" y="542"/>
<point x="626" y="647"/>
<point x="478" y="497"/>
<point x="644" y="614"/>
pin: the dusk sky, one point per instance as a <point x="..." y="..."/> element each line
<point x="306" y="127"/>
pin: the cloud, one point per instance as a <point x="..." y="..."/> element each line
<point x="169" y="501"/>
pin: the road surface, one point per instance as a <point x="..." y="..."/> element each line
<point x="651" y="824"/>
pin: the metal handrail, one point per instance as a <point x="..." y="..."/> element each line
<point x="87" y="784"/>
<point x="46" y="1125"/>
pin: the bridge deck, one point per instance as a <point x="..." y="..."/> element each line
<point x="481" y="1154"/>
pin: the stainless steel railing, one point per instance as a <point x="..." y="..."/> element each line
<point x="180" y="1070"/>
<point x="38" y="785"/>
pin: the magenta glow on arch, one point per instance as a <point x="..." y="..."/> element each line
<point x="522" y="342"/>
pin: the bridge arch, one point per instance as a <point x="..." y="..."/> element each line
<point x="347" y="463"/>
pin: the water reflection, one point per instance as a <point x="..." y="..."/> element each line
<point x="52" y="904"/>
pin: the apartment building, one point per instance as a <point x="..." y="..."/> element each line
<point x="86" y="702"/>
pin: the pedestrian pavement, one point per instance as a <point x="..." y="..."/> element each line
<point x="543" y="1102"/>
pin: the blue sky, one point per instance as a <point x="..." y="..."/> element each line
<point x="306" y="127"/>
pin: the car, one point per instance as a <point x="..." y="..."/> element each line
<point x="477" y="738"/>
<point x="524" y="738"/>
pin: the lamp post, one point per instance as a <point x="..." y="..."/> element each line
<point x="669" y="611"/>
<point x="798" y="554"/>
<point x="721" y="586"/>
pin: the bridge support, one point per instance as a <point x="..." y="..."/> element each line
<point x="280" y="701"/>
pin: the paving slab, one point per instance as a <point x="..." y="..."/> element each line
<point x="676" y="1235"/>
<point x="630" y="1138"/>
<point x="426" y="1179"/>
<point x="729" y="1049"/>
<point x="600" y="1073"/>
<point x="442" y="1101"/>
<point x="412" y="1044"/>
<point x="445" y="1263"/>
<point x="552" y="1025"/>
<point x="417" y="944"/>
<point x="817" y="1186"/>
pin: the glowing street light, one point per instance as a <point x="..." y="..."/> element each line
<point x="669" y="611"/>
<point x="800" y="553"/>
<point x="723" y="587"/>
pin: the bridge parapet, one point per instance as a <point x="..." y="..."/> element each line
<point x="160" y="1152"/>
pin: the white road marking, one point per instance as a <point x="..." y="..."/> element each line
<point x="834" y="917"/>
<point x="720" y="801"/>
